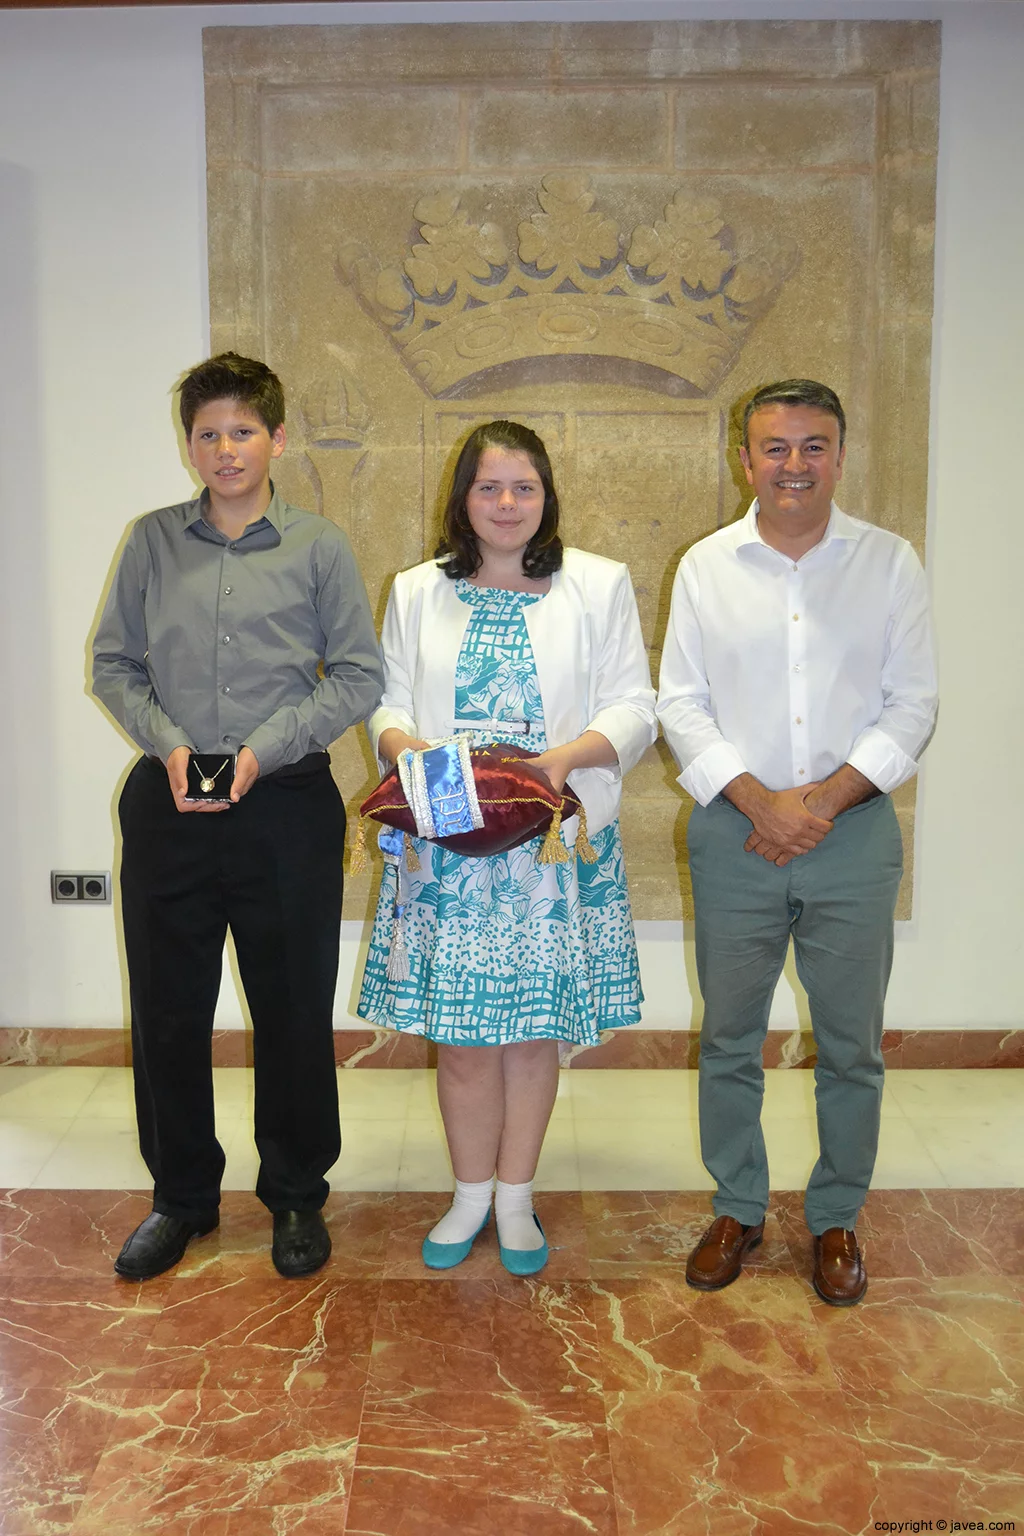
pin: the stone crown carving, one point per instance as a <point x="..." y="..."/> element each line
<point x="677" y="295"/>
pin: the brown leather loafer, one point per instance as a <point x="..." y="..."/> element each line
<point x="839" y="1274"/>
<point x="717" y="1259"/>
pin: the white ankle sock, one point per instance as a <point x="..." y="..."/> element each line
<point x="465" y="1216"/>
<point x="513" y="1211"/>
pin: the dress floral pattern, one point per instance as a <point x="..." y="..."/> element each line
<point x="504" y="949"/>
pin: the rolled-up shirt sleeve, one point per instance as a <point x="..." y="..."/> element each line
<point x="353" y="676"/>
<point x="887" y="752"/>
<point x="121" y="679"/>
<point x="707" y="761"/>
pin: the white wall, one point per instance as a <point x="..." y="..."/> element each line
<point x="103" y="302"/>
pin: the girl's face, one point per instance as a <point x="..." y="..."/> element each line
<point x="505" y="502"/>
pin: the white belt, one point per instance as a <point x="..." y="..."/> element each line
<point x="517" y="727"/>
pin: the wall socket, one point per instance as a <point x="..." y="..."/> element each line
<point x="78" y="885"/>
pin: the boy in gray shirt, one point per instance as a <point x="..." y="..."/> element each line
<point x="236" y="644"/>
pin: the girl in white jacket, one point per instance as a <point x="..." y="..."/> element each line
<point x="509" y="636"/>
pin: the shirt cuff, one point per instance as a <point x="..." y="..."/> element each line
<point x="167" y="741"/>
<point x="878" y="758"/>
<point x="710" y="771"/>
<point x="266" y="749"/>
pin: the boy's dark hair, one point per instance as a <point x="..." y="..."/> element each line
<point x="543" y="554"/>
<point x="231" y="377"/>
<point x="795" y="392"/>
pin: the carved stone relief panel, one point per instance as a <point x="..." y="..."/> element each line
<point x="612" y="232"/>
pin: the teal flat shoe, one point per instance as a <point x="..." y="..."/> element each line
<point x="447" y="1255"/>
<point x="525" y="1261"/>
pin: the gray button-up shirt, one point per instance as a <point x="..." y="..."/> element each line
<point x="216" y="644"/>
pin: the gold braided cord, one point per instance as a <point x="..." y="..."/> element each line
<point x="512" y="800"/>
<point x="552" y="851"/>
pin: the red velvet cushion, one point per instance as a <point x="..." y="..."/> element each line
<point x="517" y="802"/>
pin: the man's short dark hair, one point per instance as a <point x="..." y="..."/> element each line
<point x="795" y="392"/>
<point x="231" y="377"/>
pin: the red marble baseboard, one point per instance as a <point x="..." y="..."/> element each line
<point x="651" y="1048"/>
<point x="915" y="1048"/>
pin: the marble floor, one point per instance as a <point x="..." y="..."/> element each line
<point x="602" y="1398"/>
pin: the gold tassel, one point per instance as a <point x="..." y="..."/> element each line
<point x="358" y="858"/>
<point x="412" y="858"/>
<point x="584" y="847"/>
<point x="553" y="850"/>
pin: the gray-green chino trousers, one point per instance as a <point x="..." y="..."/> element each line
<point x="837" y="902"/>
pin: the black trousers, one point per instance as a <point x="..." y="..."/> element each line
<point x="270" y="869"/>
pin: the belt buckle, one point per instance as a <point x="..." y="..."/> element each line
<point x="516" y="727"/>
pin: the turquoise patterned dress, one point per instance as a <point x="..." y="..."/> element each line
<point x="503" y="948"/>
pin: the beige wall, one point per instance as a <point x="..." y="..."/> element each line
<point x="609" y="232"/>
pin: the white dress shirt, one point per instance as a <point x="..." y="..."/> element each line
<point x="591" y="666"/>
<point x="787" y="669"/>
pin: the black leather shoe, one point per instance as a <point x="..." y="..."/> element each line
<point x="302" y="1244"/>
<point x="158" y="1244"/>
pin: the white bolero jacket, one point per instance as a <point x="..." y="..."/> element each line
<point x="591" y="666"/>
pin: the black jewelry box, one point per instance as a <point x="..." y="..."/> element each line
<point x="210" y="775"/>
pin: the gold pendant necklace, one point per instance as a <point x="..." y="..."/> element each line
<point x="206" y="785"/>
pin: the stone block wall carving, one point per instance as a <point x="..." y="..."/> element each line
<point x="612" y="232"/>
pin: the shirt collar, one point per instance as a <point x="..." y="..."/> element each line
<point x="273" y="515"/>
<point x="839" y="527"/>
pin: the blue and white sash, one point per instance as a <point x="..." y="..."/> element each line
<point x="440" y="790"/>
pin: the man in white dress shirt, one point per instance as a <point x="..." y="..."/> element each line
<point x="797" y="691"/>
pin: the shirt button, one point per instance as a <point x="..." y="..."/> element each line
<point x="226" y="689"/>
<point x="795" y="617"/>
<point x="227" y="639"/>
<point x="796" y="669"/>
<point x="796" y="567"/>
<point x="227" y="591"/>
<point x="228" y="739"/>
<point x="798" y="719"/>
<point x="801" y="770"/>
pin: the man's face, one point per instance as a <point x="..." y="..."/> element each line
<point x="794" y="461"/>
<point x="231" y="449"/>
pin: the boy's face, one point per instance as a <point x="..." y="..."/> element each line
<point x="231" y="449"/>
